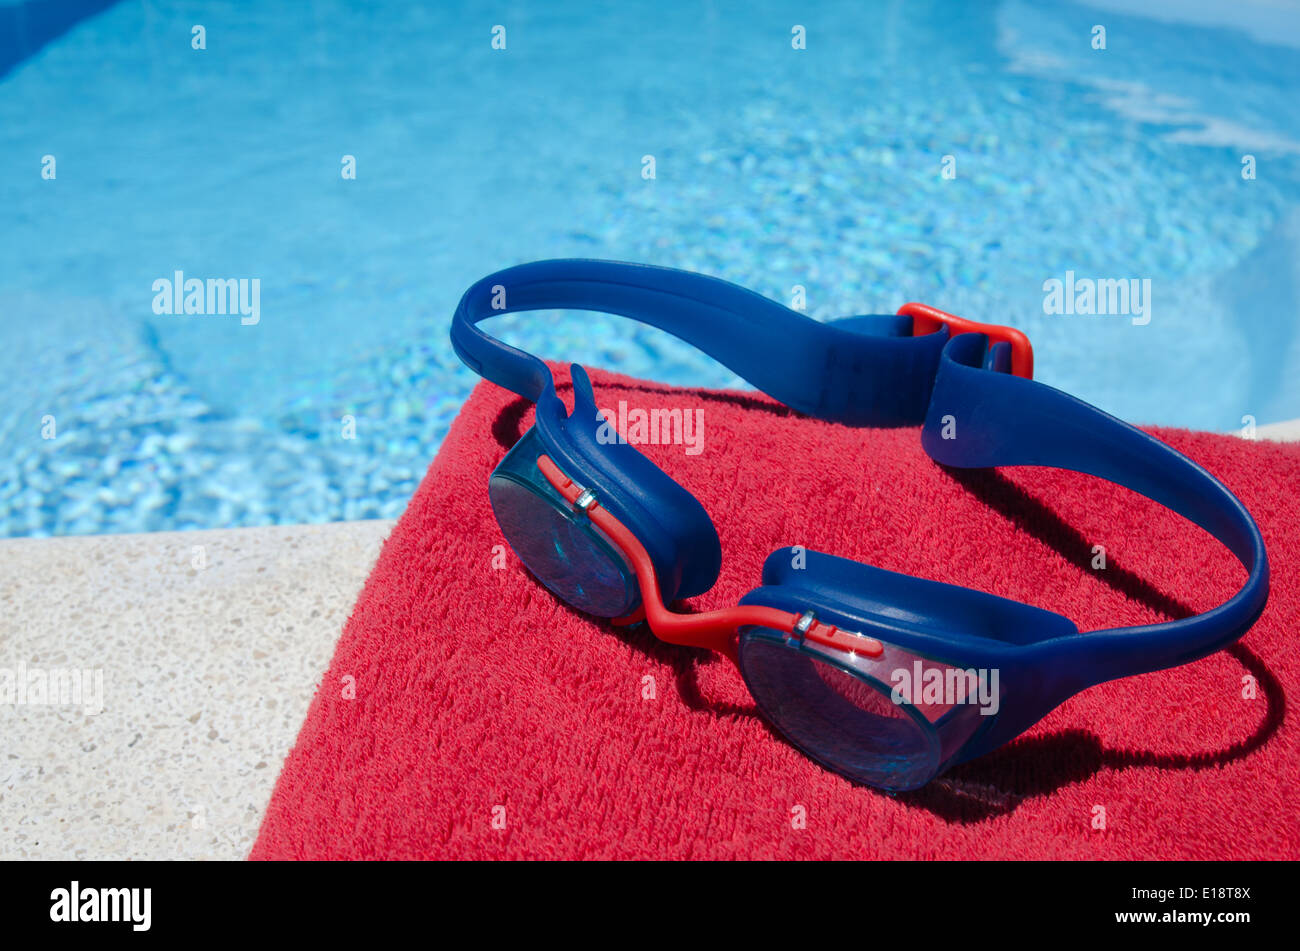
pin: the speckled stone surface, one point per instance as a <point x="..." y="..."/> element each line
<point x="211" y="644"/>
<point x="1288" y="431"/>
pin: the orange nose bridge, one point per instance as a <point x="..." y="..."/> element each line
<point x="715" y="630"/>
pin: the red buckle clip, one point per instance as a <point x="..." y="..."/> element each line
<point x="926" y="320"/>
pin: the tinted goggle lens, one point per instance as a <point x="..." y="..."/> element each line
<point x="560" y="547"/>
<point x="840" y="709"/>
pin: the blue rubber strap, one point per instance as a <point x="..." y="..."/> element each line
<point x="996" y="419"/>
<point x="862" y="371"/>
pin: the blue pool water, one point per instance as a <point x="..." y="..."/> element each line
<point x="775" y="167"/>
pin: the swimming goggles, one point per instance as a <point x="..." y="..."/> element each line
<point x="826" y="645"/>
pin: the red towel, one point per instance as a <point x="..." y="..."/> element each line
<point x="468" y="714"/>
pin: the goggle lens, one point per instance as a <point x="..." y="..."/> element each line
<point x="560" y="547"/>
<point x="839" y="709"/>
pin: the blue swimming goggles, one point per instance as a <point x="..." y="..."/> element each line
<point x="884" y="678"/>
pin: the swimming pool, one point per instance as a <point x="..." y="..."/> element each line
<point x="821" y="167"/>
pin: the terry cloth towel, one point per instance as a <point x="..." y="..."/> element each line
<point x="468" y="714"/>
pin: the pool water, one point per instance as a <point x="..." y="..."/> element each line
<point x="774" y="167"/>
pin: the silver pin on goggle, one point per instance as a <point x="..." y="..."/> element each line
<point x="804" y="624"/>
